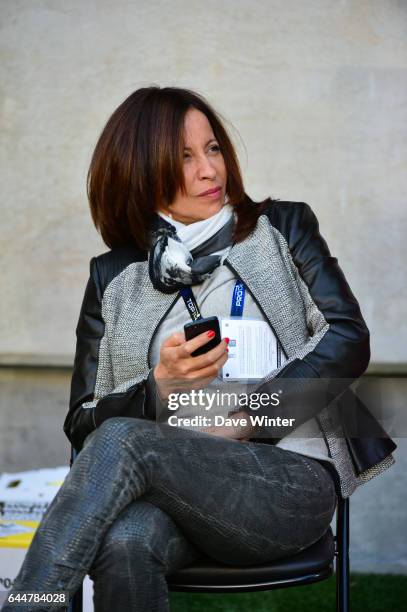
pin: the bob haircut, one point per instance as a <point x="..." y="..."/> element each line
<point x="137" y="165"/>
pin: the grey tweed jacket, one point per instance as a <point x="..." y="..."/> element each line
<point x="302" y="292"/>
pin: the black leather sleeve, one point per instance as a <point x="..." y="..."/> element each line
<point x="89" y="332"/>
<point x="344" y="351"/>
<point x="137" y="401"/>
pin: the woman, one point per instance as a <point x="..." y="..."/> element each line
<point x="144" y="499"/>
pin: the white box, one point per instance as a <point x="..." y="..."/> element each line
<point x="24" y="497"/>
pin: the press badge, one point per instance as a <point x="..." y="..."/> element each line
<point x="253" y="350"/>
<point x="253" y="347"/>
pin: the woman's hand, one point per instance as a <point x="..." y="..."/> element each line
<point x="178" y="371"/>
<point x="237" y="432"/>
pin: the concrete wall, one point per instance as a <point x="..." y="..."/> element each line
<point x="317" y="94"/>
<point x="317" y="91"/>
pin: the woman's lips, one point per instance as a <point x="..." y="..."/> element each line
<point x="213" y="194"/>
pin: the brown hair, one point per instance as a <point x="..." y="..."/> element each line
<point x="137" y="165"/>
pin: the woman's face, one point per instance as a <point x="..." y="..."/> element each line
<point x="204" y="170"/>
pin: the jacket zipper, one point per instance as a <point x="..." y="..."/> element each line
<point x="279" y="344"/>
<point x="158" y="325"/>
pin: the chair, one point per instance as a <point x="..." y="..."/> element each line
<point x="311" y="565"/>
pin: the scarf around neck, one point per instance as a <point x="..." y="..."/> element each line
<point x="184" y="255"/>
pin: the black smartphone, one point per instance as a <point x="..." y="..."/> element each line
<point x="198" y="327"/>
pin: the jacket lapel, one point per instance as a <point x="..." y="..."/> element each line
<point x="260" y="265"/>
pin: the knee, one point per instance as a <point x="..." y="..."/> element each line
<point x="116" y="428"/>
<point x="123" y="427"/>
<point x="107" y="439"/>
<point x="114" y="432"/>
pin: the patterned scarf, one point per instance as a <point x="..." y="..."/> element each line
<point x="184" y="255"/>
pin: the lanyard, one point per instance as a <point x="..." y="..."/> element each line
<point x="190" y="303"/>
<point x="236" y="309"/>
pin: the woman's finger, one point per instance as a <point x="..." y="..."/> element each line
<point x="195" y="343"/>
<point x="210" y="357"/>
<point x="176" y="339"/>
<point x="210" y="371"/>
<point x="191" y="365"/>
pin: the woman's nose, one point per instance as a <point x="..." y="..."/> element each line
<point x="206" y="168"/>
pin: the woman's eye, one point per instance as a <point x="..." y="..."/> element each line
<point x="212" y="149"/>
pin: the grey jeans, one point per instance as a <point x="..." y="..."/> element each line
<point x="142" y="500"/>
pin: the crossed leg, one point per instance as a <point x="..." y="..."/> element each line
<point x="239" y="503"/>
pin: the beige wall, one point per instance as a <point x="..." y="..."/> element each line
<point x="317" y="91"/>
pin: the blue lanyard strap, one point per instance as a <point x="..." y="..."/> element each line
<point x="190" y="303"/>
<point x="236" y="309"/>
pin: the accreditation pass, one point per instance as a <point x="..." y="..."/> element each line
<point x="252" y="349"/>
